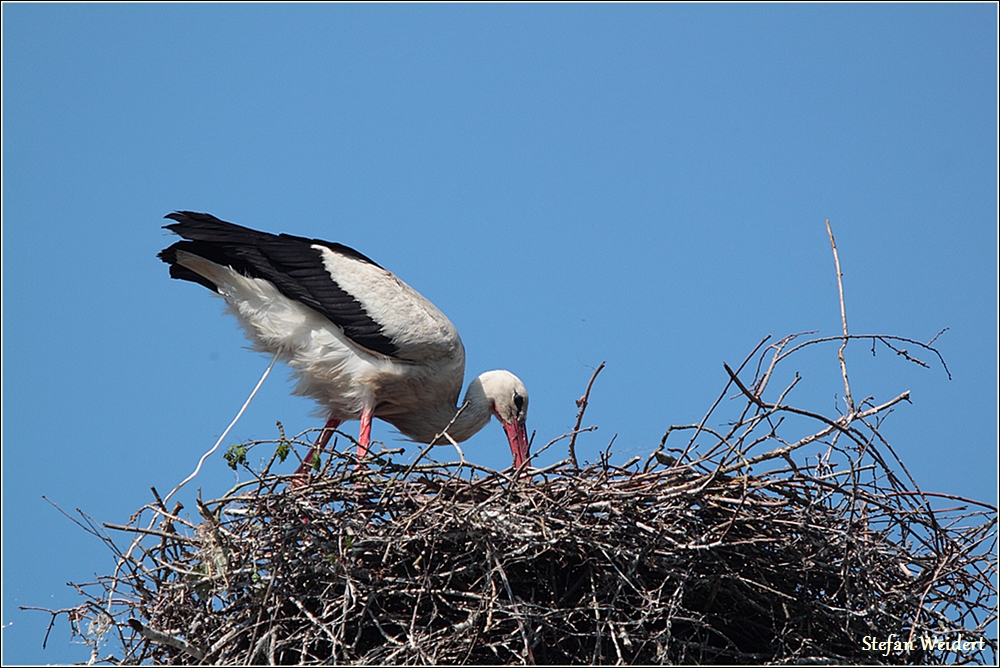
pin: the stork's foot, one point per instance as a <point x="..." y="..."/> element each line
<point x="361" y="458"/>
<point x="301" y="477"/>
<point x="303" y="474"/>
<point x="299" y="480"/>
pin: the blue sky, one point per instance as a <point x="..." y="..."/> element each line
<point x="645" y="185"/>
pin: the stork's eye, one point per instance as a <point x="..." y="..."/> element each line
<point x="518" y="401"/>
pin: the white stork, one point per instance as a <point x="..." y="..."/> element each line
<point x="361" y="342"/>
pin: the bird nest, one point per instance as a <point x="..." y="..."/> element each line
<point x="733" y="547"/>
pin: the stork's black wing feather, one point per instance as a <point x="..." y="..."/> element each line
<point x="289" y="262"/>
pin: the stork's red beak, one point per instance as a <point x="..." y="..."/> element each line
<point x="517" y="434"/>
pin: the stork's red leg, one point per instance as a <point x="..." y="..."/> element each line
<point x="324" y="438"/>
<point x="365" y="435"/>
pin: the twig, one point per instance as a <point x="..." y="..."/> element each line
<point x="173" y="536"/>
<point x="161" y="638"/>
<point x="226" y="432"/>
<point x="874" y="338"/>
<point x="843" y="319"/>
<point x="582" y="404"/>
<point x="510" y="596"/>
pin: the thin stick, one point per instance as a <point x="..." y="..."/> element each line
<point x="885" y="339"/>
<point x="161" y="638"/>
<point x="843" y="320"/>
<point x="138" y="539"/>
<point x="582" y="403"/>
<point x="226" y="432"/>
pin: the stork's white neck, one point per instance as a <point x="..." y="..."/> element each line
<point x="487" y="395"/>
<point x="474" y="412"/>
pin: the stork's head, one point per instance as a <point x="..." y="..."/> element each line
<point x="509" y="402"/>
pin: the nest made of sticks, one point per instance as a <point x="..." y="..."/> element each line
<point x="731" y="549"/>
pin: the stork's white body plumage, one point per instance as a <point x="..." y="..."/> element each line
<point x="359" y="341"/>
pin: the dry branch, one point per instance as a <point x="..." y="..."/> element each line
<point x="582" y="404"/>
